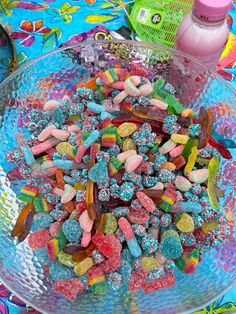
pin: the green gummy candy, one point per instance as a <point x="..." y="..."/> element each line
<point x="111" y="223"/>
<point x="99" y="288"/>
<point x="189" y="145"/>
<point x="174" y="105"/>
<point x="100" y="94"/>
<point x="165" y="206"/>
<point x="25" y="198"/>
<point x="61" y="240"/>
<point x="66" y="259"/>
<point x="85" y="135"/>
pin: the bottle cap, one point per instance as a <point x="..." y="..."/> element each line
<point x="211" y="10"/>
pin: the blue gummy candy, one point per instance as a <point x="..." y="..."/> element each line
<point x="93" y="137"/>
<point x="95" y="107"/>
<point x="98" y="173"/>
<point x="42" y="221"/>
<point x="192" y="207"/>
<point x="63" y="164"/>
<point x="72" y="230"/>
<point x="170" y="247"/>
<point x="134" y="247"/>
<point x="105" y="115"/>
<point x="60" y="272"/>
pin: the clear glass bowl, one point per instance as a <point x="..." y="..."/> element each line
<point x="56" y="74"/>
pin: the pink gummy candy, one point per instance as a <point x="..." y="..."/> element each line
<point x="69" y="287"/>
<point x="157" y="284"/>
<point x="126" y="228"/>
<point x="138" y="279"/>
<point x="146" y="201"/>
<point x="38" y="239"/>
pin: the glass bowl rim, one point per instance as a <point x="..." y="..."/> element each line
<point x="134" y="43"/>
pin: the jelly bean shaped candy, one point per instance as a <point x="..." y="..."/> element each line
<point x="132" y="242"/>
<point x="198" y="176"/>
<point x="133" y="162"/>
<point x="191" y="160"/>
<point x="179" y="138"/>
<point x="126" y="129"/>
<point x="68" y="194"/>
<point x="84" y="266"/>
<point x="146" y="201"/>
<point x="111" y="223"/>
<point x="213" y="168"/>
<point x="185" y="223"/>
<point x="182" y="184"/>
<point x="188" y="262"/>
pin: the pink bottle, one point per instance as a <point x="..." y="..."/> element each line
<point x="203" y="33"/>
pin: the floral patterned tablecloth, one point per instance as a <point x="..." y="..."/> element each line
<point x="36" y="27"/>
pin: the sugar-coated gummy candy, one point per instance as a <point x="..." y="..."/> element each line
<point x="84" y="266"/>
<point x="38" y="239"/>
<point x="72" y="230"/>
<point x="185" y="223"/>
<point x="58" y="271"/>
<point x="69" y="288"/>
<point x="130" y="185"/>
<point x="42" y="221"/>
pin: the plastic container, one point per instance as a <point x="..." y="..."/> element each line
<point x="203" y="33"/>
<point x="53" y="75"/>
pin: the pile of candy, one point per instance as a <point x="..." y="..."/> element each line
<point x="123" y="185"/>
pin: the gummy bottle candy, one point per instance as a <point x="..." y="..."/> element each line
<point x="203" y="33"/>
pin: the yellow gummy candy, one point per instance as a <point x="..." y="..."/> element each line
<point x="84" y="266"/>
<point x="179" y="138"/>
<point x="191" y="160"/>
<point x="65" y="148"/>
<point x="185" y="223"/>
<point x="79" y="186"/>
<point x="75" y="117"/>
<point x="128" y="144"/>
<point x="209" y="226"/>
<point x="149" y="263"/>
<point x="111" y="223"/>
<point x="126" y="129"/>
